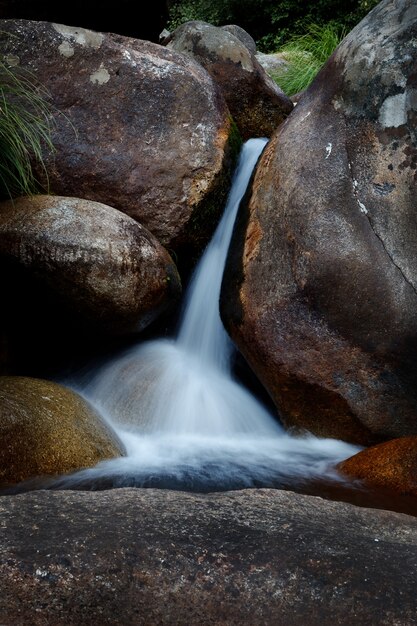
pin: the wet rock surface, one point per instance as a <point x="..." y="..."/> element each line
<point x="138" y="127"/>
<point x="134" y="556"/>
<point x="97" y="263"/>
<point x="47" y="429"/>
<point x="256" y="103"/>
<point x="320" y="289"/>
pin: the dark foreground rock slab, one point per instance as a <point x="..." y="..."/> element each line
<point x="162" y="557"/>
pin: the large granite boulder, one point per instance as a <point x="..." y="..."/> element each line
<point x="138" y="127"/>
<point x="320" y="290"/>
<point x="100" y="265"/>
<point x="252" y="557"/>
<point x="257" y="103"/>
<point x="390" y="465"/>
<point x="47" y="429"/>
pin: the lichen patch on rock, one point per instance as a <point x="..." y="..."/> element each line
<point x="100" y="76"/>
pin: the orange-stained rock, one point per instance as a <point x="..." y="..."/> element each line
<point x="392" y="465"/>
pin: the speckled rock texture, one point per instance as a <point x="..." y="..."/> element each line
<point x="138" y="127"/>
<point x="239" y="558"/>
<point x="256" y="103"/>
<point x="391" y="465"/>
<point x="48" y="429"/>
<point x="102" y="265"/>
<point x="272" y="63"/>
<point x="320" y="290"/>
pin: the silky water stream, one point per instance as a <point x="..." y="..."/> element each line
<point x="185" y="422"/>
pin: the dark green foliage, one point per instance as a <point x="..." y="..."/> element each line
<point x="271" y="22"/>
<point x="290" y="18"/>
<point x="181" y="11"/>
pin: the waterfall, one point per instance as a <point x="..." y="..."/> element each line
<point x="201" y="331"/>
<point x="185" y="421"/>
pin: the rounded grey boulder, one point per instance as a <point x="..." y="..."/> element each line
<point x="104" y="268"/>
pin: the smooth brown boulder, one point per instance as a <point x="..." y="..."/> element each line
<point x="320" y="288"/>
<point x="256" y="103"/>
<point x="138" y="127"/>
<point x="48" y="429"/>
<point x="101" y="266"/>
<point x="251" y="557"/>
<point x="391" y="465"/>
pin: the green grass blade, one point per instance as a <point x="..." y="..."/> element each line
<point x="306" y="54"/>
<point x="26" y="124"/>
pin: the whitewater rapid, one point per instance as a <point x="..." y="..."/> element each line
<point x="184" y="420"/>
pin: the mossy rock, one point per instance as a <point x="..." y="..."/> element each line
<point x="47" y="429"/>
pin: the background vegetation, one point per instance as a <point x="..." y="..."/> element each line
<point x="272" y="23"/>
<point x="305" y="55"/>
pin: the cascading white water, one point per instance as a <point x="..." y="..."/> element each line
<point x="184" y="420"/>
<point x="202" y="332"/>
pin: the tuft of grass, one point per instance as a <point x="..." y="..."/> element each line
<point x="25" y="131"/>
<point x="306" y="54"/>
